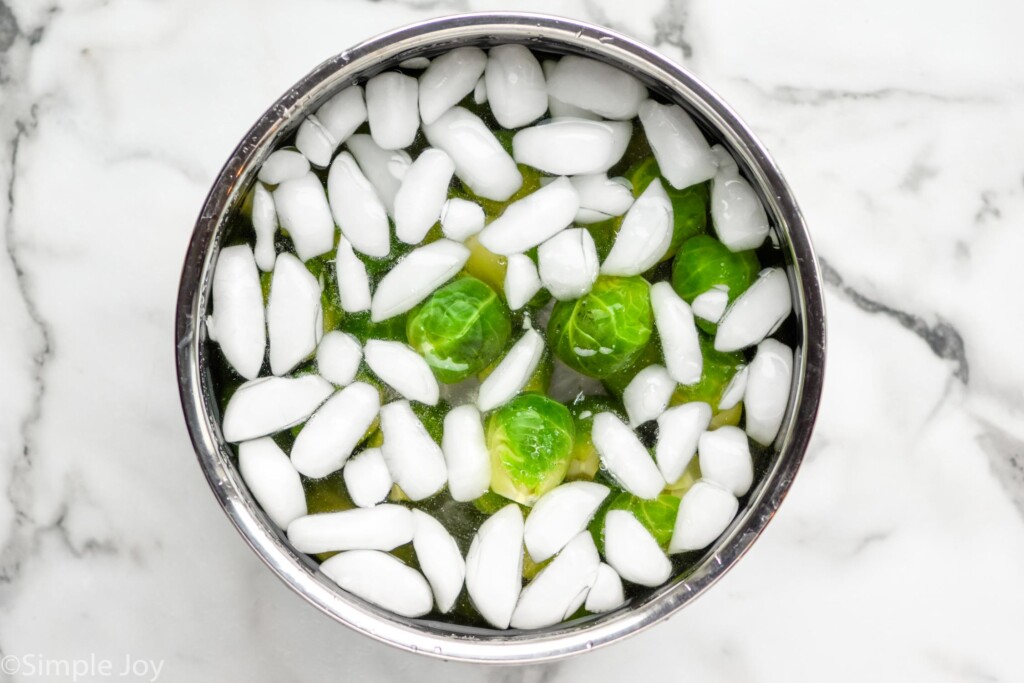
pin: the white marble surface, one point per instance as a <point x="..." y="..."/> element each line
<point x="899" y="554"/>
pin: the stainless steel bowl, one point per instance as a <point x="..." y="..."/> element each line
<point x="427" y="39"/>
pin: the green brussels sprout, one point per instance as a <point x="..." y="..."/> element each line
<point x="690" y="476"/>
<point x="719" y="369"/>
<point x="322" y="267"/>
<point x="703" y="262"/>
<point x="658" y="516"/>
<point x="485" y="265"/>
<point x="689" y="205"/>
<point x="603" y="233"/>
<point x="616" y="382"/>
<point x="362" y="328"/>
<point x="530" y="440"/>
<point x="603" y="331"/>
<point x="326" y="495"/>
<point x="460" y="329"/>
<point x="585" y="460"/>
<point x="492" y="208"/>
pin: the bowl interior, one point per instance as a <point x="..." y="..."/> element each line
<point x="553" y="35"/>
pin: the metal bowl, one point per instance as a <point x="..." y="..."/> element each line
<point x="427" y="39"/>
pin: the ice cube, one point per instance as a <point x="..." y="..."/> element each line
<point x="767" y="391"/>
<point x="335" y="429"/>
<point x="679" y="343"/>
<point x="601" y="197"/>
<point x="381" y="527"/>
<point x="356" y="208"/>
<point x="338" y="357"/>
<point x="465" y="453"/>
<point x="283" y="164"/>
<point x="550" y="596"/>
<point x="571" y="146"/>
<point x="403" y="369"/>
<point x="647" y="394"/>
<point x="269" y="404"/>
<point x="342" y="114"/>
<point x="383" y="168"/>
<point x="679" y="429"/>
<point x="606" y="594"/>
<point x="272" y="480"/>
<point x="568" y="264"/>
<point x="515" y="86"/>
<point x="735" y="390"/>
<point x="533" y="219"/>
<point x="439" y="558"/>
<point x="711" y="304"/>
<point x="684" y="156"/>
<point x="512" y="373"/>
<point x="415" y="63"/>
<point x="448" y="79"/>
<point x="559" y="515"/>
<point x="625" y="457"/>
<point x="422" y="194"/>
<point x="480" y="160"/>
<point x="416" y="277"/>
<point x="480" y="91"/>
<point x="264" y="223"/>
<point x="597" y="87"/>
<point x="725" y="459"/>
<point x="382" y="579"/>
<point x="522" y="281"/>
<point x="367" y="478"/>
<point x="315" y="143"/>
<point x="704" y="513"/>
<point x="353" y="281"/>
<point x="645" y="234"/>
<point x="303" y="211"/>
<point x="461" y="219"/>
<point x="737" y="214"/>
<point x="558" y="108"/>
<point x="295" y="321"/>
<point x="414" y="459"/>
<point x="756" y="313"/>
<point x="238" y="322"/>
<point x="632" y="552"/>
<point x="391" y="108"/>
<point x="494" y="565"/>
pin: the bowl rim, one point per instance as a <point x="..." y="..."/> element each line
<point x="354" y="65"/>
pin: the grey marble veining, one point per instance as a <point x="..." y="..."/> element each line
<point x="897" y="555"/>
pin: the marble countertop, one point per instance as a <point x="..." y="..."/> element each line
<point x="899" y="553"/>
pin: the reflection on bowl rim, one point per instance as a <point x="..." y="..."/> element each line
<point x="429" y="38"/>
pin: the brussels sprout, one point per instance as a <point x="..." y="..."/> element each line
<point x="326" y="495"/>
<point x="491" y="502"/>
<point x="585" y="460"/>
<point x="530" y="440"/>
<point x="603" y="233"/>
<point x="492" y="208"/>
<point x="363" y="329"/>
<point x="616" y="382"/>
<point x="485" y="265"/>
<point x="330" y="298"/>
<point x="718" y="370"/>
<point x="689" y="205"/>
<point x="605" y="330"/>
<point x="658" y="516"/>
<point x="540" y="380"/>
<point x="689" y="477"/>
<point x="703" y="262"/>
<point x="460" y="329"/>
